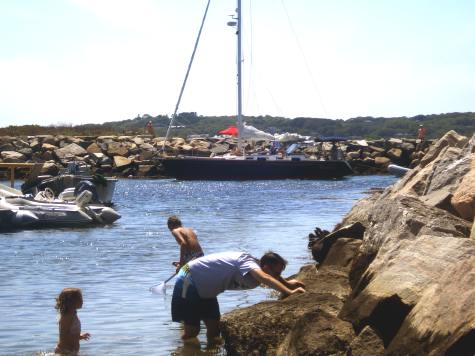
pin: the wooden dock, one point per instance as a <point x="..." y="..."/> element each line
<point x="12" y="166"/>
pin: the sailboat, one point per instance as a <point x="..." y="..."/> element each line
<point x="250" y="167"/>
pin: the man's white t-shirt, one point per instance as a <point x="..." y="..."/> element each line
<point x="213" y="274"/>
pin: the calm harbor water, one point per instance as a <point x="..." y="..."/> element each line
<point x="115" y="266"/>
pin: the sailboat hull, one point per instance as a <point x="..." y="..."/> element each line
<point x="202" y="168"/>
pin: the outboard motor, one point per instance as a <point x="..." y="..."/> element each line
<point x="87" y="185"/>
<point x="84" y="198"/>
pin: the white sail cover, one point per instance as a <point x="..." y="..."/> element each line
<point x="251" y="133"/>
<point x="290" y="137"/>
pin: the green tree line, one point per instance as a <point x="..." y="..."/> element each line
<point x="190" y="123"/>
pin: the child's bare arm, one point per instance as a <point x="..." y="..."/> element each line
<point x="183" y="243"/>
<point x="84" y="336"/>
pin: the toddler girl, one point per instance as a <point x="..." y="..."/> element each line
<point x="67" y="303"/>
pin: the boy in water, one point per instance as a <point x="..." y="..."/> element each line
<point x="185" y="237"/>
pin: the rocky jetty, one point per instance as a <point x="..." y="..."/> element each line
<point x="138" y="156"/>
<point x="395" y="277"/>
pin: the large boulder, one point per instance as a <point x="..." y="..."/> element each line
<point x="94" y="148"/>
<point x="13" y="157"/>
<point x="367" y="343"/>
<point x="117" y="149"/>
<point x="463" y="199"/>
<point x="122" y="162"/>
<point x="48" y="147"/>
<point x="450" y="139"/>
<point x="443" y="319"/>
<point x="317" y="332"/>
<point x="146" y="170"/>
<point x="395" y="154"/>
<point x="27" y="151"/>
<point x="146" y="155"/>
<point x="321" y="246"/>
<point x="399" y="276"/>
<point x="48" y="139"/>
<point x="443" y="166"/>
<point x="50" y="168"/>
<point x="146" y="147"/>
<point x="138" y="140"/>
<point x="382" y="161"/>
<point x="70" y="151"/>
<point x="220" y="148"/>
<point x="177" y="141"/>
<point x="9" y="147"/>
<point x="35" y="144"/>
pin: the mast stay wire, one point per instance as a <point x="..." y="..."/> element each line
<point x="186" y="76"/>
<point x="252" y="74"/>
<point x="314" y="83"/>
<point x="251" y="36"/>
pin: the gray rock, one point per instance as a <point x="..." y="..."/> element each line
<point x="71" y="150"/>
<point x="146" y="155"/>
<point x="13" y="157"/>
<point x="122" y="162"/>
<point x="367" y="343"/>
<point x="439" y="199"/>
<point x="443" y="318"/>
<point x="395" y="154"/>
<point x="7" y="147"/>
<point x="27" y="151"/>
<point x="321" y="247"/>
<point x="117" y="149"/>
<point x="399" y="277"/>
<point x="48" y="139"/>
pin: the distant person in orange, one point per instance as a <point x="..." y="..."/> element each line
<point x="149" y="128"/>
<point x="421" y="133"/>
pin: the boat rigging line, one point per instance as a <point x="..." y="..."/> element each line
<point x="307" y="66"/>
<point x="186" y="76"/>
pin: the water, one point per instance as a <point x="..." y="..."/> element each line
<point x="115" y="266"/>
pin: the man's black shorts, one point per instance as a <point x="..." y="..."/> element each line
<point x="189" y="307"/>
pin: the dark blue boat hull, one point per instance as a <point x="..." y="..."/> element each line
<point x="203" y="168"/>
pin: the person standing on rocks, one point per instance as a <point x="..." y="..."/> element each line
<point x="201" y="280"/>
<point x="186" y="238"/>
<point x="149" y="129"/>
<point x="421" y="133"/>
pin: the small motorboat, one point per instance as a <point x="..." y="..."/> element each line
<point x="398" y="171"/>
<point x="72" y="181"/>
<point x="21" y="211"/>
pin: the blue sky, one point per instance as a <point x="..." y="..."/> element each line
<point x="90" y="61"/>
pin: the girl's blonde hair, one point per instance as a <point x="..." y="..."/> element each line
<point x="68" y="299"/>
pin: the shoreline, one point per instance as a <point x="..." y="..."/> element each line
<point x="139" y="156"/>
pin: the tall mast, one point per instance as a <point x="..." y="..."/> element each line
<point x="239" y="75"/>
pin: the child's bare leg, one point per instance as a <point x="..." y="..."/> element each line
<point x="191" y="331"/>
